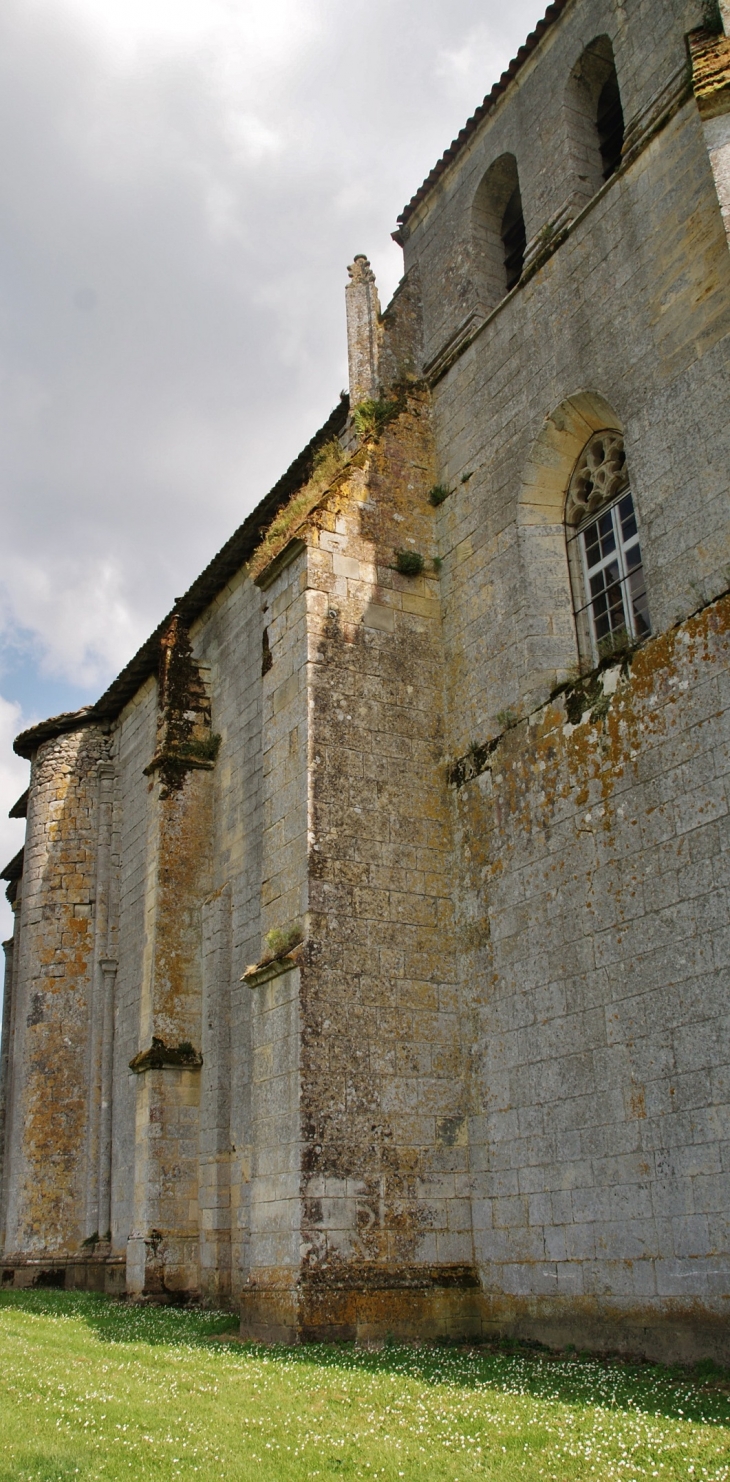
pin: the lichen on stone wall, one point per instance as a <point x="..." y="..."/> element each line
<point x="184" y="738"/>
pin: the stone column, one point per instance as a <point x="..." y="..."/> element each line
<point x="162" y="1251"/>
<point x="270" y="1296"/>
<point x="46" y="1153"/>
<point x="363" y="332"/>
<point x="5" y="1070"/>
<point x="215" y="1109"/>
<point x="101" y="1017"/>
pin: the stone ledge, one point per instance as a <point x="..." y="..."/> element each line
<point x="279" y="562"/>
<point x="180" y="759"/>
<point x="710" y="57"/>
<point x="256" y="975"/>
<point x="160" y="1056"/>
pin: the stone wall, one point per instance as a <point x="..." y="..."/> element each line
<point x="386" y="1208"/>
<point x="585" y="891"/>
<point x="46" y="1162"/>
<point x="595" y="862"/>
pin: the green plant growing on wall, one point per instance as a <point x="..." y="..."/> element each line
<point x="371" y="417"/>
<point x="616" y="645"/>
<point x="328" y="460"/>
<point x="409" y="563"/>
<point x="202" y="748"/>
<point x="506" y="718"/>
<point x="279" y="942"/>
<point x="437" y="564"/>
<point x="438" y="494"/>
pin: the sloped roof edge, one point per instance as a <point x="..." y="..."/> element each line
<point x="14" y="870"/>
<point x="20" y="808"/>
<point x="211" y="581"/>
<point x="472" y="124"/>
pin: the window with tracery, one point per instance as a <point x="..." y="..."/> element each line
<point x="606" y="568"/>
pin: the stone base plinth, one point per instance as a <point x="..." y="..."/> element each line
<point x="66" y="1273"/>
<point x="413" y="1306"/>
<point x="668" y="1331"/>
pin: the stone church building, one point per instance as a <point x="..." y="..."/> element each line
<point x="372" y="931"/>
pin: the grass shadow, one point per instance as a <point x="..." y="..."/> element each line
<point x="39" y="1465"/>
<point x="700" y="1395"/>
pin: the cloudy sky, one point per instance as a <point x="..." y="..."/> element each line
<point x="183" y="183"/>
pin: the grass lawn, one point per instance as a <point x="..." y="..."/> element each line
<point x="91" y="1388"/>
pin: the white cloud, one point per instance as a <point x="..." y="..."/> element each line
<point x="183" y="186"/>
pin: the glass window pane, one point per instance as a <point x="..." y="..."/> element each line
<point x="639" y="604"/>
<point x="591" y="546"/>
<point x="614" y="579"/>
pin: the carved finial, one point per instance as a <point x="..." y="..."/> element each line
<point x="360" y="270"/>
<point x="363" y="331"/>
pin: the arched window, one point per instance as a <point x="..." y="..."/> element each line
<point x="595" y="117"/>
<point x="514" y="239"/>
<point x="604" y="554"/>
<point x="499" y="236"/>
<point x="610" y="125"/>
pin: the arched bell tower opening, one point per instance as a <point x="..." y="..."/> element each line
<point x="498" y="228"/>
<point x="595" y="118"/>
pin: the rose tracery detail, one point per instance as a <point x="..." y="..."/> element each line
<point x="600" y="475"/>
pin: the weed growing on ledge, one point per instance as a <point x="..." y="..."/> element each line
<point x="506" y="718"/>
<point x="202" y="748"/>
<point x="409" y="563"/>
<point x="371" y="417"/>
<point x="280" y="942"/>
<point x="438" y="494"/>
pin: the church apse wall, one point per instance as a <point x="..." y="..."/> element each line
<point x="397" y="997"/>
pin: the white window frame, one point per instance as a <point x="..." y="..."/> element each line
<point x="585" y="615"/>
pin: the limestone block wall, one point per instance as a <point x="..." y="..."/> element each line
<point x="647" y="336"/>
<point x="595" y="861"/>
<point x="229" y="639"/>
<point x="586" y="900"/>
<point x="45" y="1173"/>
<point x="386" y="1216"/>
<point x="532" y="123"/>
